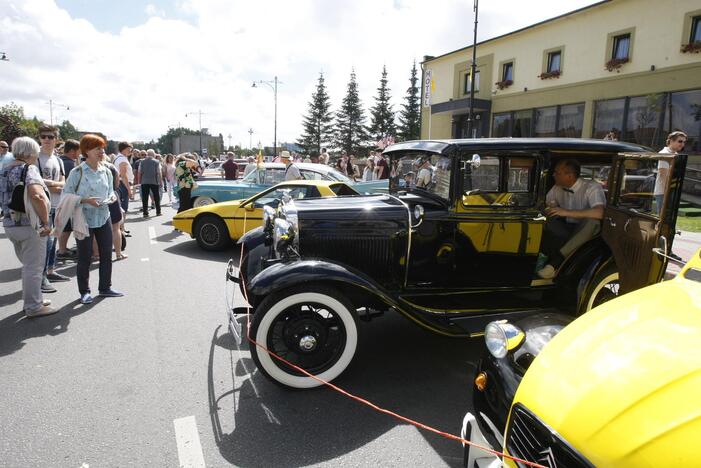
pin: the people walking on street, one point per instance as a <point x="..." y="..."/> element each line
<point x="51" y="169"/>
<point x="291" y="170"/>
<point x="184" y="169"/>
<point x="27" y="230"/>
<point x="92" y="181"/>
<point x="169" y="177"/>
<point x="151" y="180"/>
<point x="126" y="174"/>
<point x="675" y="143"/>
<point x="116" y="215"/>
<point x="71" y="153"/>
<point x="229" y="167"/>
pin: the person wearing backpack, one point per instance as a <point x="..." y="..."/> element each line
<point x="27" y="227"/>
<point x="94" y="183"/>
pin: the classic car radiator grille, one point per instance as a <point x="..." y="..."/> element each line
<point x="372" y="254"/>
<point x="528" y="438"/>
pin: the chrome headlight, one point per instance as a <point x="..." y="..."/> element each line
<point x="282" y="234"/>
<point x="501" y="337"/>
<point x="268" y="215"/>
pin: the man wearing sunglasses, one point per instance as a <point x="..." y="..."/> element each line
<point x="53" y="173"/>
<point x="675" y="144"/>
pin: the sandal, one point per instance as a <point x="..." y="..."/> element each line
<point x="121" y="257"/>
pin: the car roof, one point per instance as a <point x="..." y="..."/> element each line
<point x="308" y="166"/>
<point x="301" y="182"/>
<point x="561" y="144"/>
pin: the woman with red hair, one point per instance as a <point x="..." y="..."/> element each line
<point x="93" y="182"/>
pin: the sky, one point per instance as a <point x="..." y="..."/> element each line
<point x="132" y="69"/>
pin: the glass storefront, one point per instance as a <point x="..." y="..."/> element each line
<point x="571" y="121"/>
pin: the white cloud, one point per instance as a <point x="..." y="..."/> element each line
<point x="153" y="10"/>
<point x="135" y="84"/>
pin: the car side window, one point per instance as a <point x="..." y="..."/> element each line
<point x="500" y="181"/>
<point x="273" y="198"/>
<point x="310" y="175"/>
<point x="639" y="190"/>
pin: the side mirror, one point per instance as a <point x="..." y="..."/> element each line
<point x="249" y="207"/>
<point x="662" y="252"/>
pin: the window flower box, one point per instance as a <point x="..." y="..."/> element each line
<point x="691" y="48"/>
<point x="550" y="75"/>
<point x="616" y="64"/>
<point x="504" y="84"/>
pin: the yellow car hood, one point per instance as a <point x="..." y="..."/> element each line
<point x="622" y="384"/>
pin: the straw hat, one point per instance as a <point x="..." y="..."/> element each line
<point x="285" y="155"/>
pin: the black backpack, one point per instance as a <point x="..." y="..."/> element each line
<point x="17" y="202"/>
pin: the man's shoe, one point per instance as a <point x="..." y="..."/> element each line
<point x="86" y="298"/>
<point x="547" y="272"/>
<point x="57" y="277"/>
<point x="68" y="254"/>
<point x="158" y="214"/>
<point x="111" y="293"/>
<point x="146" y="215"/>
<point x="43" y="310"/>
<point x="46" y="286"/>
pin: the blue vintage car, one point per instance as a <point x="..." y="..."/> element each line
<point x="269" y="174"/>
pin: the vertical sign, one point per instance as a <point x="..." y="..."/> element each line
<point x="428" y="78"/>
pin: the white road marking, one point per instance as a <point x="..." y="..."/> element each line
<point x="145" y="259"/>
<point x="188" y="440"/>
<point x="152" y="235"/>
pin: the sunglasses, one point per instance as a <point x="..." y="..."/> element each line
<point x="46" y="137"/>
<point x="4" y="147"/>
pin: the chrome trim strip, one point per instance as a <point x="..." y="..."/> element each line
<point x="408" y="247"/>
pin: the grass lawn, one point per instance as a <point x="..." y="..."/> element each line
<point x="689" y="223"/>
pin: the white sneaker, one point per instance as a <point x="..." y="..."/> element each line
<point x="547" y="272"/>
<point x="43" y="310"/>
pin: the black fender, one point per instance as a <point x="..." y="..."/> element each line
<point x="256" y="246"/>
<point x="284" y="275"/>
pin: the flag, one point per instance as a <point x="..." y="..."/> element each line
<point x="259" y="158"/>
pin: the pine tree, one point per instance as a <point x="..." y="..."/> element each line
<point x="351" y="135"/>
<point x="318" y="126"/>
<point x="410" y="116"/>
<point x="382" y="115"/>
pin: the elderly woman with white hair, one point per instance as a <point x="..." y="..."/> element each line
<point x="27" y="226"/>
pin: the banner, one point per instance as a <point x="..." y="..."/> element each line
<point x="428" y="87"/>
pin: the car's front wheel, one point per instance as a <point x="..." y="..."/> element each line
<point x="211" y="233"/>
<point x="314" y="328"/>
<point x="603" y="287"/>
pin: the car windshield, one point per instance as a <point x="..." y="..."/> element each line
<point x="338" y="176"/>
<point x="269" y="176"/>
<point x="421" y="171"/>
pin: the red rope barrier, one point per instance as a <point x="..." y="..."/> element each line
<point x="357" y="398"/>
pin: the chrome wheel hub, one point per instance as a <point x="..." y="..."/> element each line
<point x="307" y="343"/>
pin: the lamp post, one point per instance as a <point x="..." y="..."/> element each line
<point x="273" y="85"/>
<point x="250" y="138"/>
<point x="471" y="115"/>
<point x="51" y="109"/>
<point x="199" y="113"/>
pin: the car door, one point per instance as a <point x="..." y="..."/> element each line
<point x="635" y="219"/>
<point x="498" y="222"/>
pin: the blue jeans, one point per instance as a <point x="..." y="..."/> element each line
<point x="50" y="245"/>
<point x="123" y="196"/>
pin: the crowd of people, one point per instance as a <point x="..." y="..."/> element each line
<point x="52" y="190"/>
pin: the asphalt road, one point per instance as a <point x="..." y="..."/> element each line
<point x="107" y="384"/>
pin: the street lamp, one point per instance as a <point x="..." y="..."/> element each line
<point x="51" y="109"/>
<point x="199" y="113"/>
<point x="250" y="138"/>
<point x="273" y="85"/>
<point x="470" y="130"/>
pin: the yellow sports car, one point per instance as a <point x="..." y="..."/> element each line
<point x="215" y="226"/>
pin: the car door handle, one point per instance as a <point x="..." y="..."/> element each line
<point x="612" y="223"/>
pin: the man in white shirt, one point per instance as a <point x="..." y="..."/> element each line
<point x="423" y="179"/>
<point x="575" y="208"/>
<point x="53" y="173"/>
<point x="291" y="170"/>
<point x="675" y="144"/>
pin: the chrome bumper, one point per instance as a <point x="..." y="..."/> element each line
<point x="474" y="457"/>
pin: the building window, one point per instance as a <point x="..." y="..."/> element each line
<point x="467" y="82"/>
<point x="507" y="73"/>
<point x="570" y="121"/>
<point x="608" y="117"/>
<point x="522" y="127"/>
<point x="545" y="122"/>
<point x="684" y="113"/>
<point x="643" y="120"/>
<point x="554" y="59"/>
<point x="502" y="125"/>
<point x="695" y="30"/>
<point x="621" y="47"/>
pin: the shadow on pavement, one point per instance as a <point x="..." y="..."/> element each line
<point x="398" y="366"/>
<point x="16" y="329"/>
<point x="11" y="274"/>
<point x="192" y="250"/>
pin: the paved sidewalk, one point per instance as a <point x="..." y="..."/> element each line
<point x="685" y="245"/>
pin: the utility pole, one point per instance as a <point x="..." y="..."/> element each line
<point x="199" y="113"/>
<point x="471" y="116"/>
<point x="273" y="85"/>
<point x="51" y="109"/>
<point x="229" y="137"/>
<point x="250" y="138"/>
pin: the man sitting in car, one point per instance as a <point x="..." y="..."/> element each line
<point x="574" y="209"/>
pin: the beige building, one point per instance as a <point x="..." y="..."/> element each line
<point x="631" y="67"/>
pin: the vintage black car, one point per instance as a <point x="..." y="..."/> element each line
<point x="451" y="256"/>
